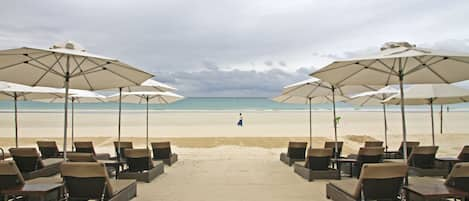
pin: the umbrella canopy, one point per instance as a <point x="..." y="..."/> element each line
<point x="146" y="97"/>
<point x="313" y="88"/>
<point x="375" y="98"/>
<point x="67" y="65"/>
<point x="78" y="96"/>
<point x="17" y="92"/>
<point x="398" y="63"/>
<point x="430" y="94"/>
<point x="149" y="85"/>
<point x="422" y="94"/>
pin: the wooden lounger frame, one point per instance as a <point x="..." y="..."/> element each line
<point x="141" y="166"/>
<point x="317" y="165"/>
<point x="381" y="181"/>
<point x="162" y="151"/>
<point x="32" y="166"/>
<point x="296" y="152"/>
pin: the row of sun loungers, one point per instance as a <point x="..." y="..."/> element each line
<point x="85" y="174"/>
<point x="380" y="174"/>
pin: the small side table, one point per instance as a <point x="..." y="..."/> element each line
<point x="450" y="160"/>
<point x="340" y="161"/>
<point x="39" y="191"/>
<point x="433" y="191"/>
<point x="114" y="164"/>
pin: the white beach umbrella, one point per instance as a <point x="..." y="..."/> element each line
<point x="78" y="96"/>
<point x="17" y="92"/>
<point x="67" y="65"/>
<point x="375" y="98"/>
<point x="285" y="98"/>
<point x="315" y="88"/>
<point x="398" y="63"/>
<point x="430" y="94"/>
<point x="149" y="85"/>
<point x="146" y="97"/>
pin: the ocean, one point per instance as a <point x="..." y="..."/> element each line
<point x="211" y="104"/>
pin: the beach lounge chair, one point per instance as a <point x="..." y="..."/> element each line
<point x="81" y="157"/>
<point x="87" y="147"/>
<point x="32" y="166"/>
<point x="399" y="154"/>
<point x="162" y="151"/>
<point x="331" y="144"/>
<point x="367" y="155"/>
<point x="422" y="162"/>
<point x="296" y="152"/>
<point x="458" y="179"/>
<point x="373" y="143"/>
<point x="123" y="146"/>
<point x="90" y="181"/>
<point x="48" y="149"/>
<point x="317" y="165"/>
<point x="381" y="181"/>
<point x="11" y="177"/>
<point x="464" y="154"/>
<point x="141" y="166"/>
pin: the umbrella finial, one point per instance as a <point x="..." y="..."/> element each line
<point x="68" y="45"/>
<point x="391" y="45"/>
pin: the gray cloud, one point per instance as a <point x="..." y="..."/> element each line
<point x="213" y="41"/>
<point x="232" y="83"/>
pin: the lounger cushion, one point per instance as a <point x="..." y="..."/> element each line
<point x="373" y="143"/>
<point x="46" y="180"/>
<point x="348" y="187"/>
<point x="51" y="161"/>
<point x="81" y="157"/>
<point x="119" y="185"/>
<point x="50" y="144"/>
<point x="9" y="168"/>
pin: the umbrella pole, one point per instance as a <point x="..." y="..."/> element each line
<point x="433" y="124"/>
<point x="67" y="80"/>
<point x="385" y="128"/>
<point x="441" y="119"/>
<point x="335" y="122"/>
<point x="119" y="126"/>
<point x="310" y="126"/>
<point x="147" y="123"/>
<point x="73" y="124"/>
<point x="404" y="130"/>
<point x="16" y="119"/>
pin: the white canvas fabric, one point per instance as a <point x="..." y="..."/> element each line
<point x="27" y="93"/>
<point x="372" y="97"/>
<point x="48" y="68"/>
<point x="140" y="97"/>
<point x="419" y="66"/>
<point x="423" y="94"/>
<point x="149" y="85"/>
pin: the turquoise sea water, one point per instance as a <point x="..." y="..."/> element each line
<point x="211" y="104"/>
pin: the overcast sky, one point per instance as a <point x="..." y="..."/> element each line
<point x="233" y="47"/>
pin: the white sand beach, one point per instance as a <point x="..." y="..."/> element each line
<point x="218" y="160"/>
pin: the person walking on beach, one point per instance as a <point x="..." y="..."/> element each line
<point x="240" y="122"/>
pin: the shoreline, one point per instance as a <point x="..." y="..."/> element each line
<point x="94" y="111"/>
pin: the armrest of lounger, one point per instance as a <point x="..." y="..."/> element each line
<point x="52" y="161"/>
<point x="121" y="185"/>
<point x="103" y="156"/>
<point x="46" y="180"/>
<point x="344" y="189"/>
